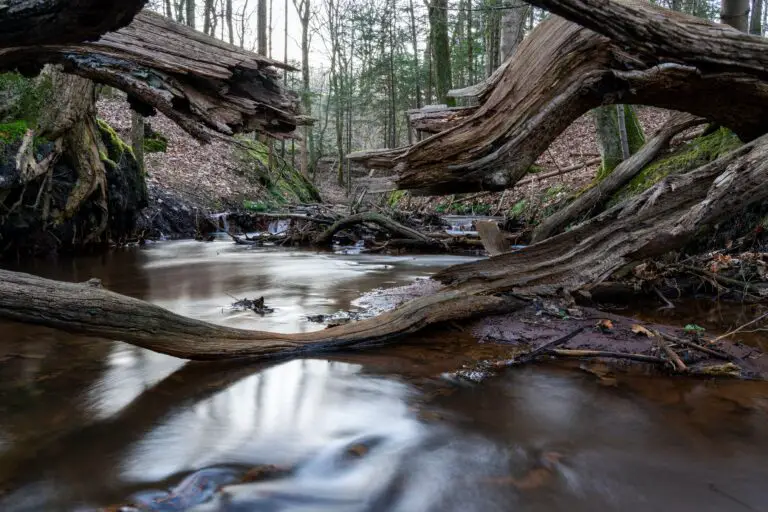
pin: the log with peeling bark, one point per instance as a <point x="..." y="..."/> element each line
<point x="437" y="118"/>
<point x="203" y="84"/>
<point x="562" y="70"/>
<point x="35" y="22"/>
<point x="603" y="190"/>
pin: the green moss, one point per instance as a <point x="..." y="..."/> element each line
<point x="13" y="132"/>
<point x="282" y="183"/>
<point x="114" y="143"/>
<point x="694" y="154"/>
<point x="155" y="144"/>
<point x="24" y="98"/>
<point x="608" y="134"/>
<point x="517" y="209"/>
<point x="394" y="197"/>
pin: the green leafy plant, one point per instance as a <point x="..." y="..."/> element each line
<point x="693" y="329"/>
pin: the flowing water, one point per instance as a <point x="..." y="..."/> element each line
<point x="86" y="423"/>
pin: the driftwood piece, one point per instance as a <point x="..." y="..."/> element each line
<point x="562" y="70"/>
<point x="603" y="190"/>
<point x="642" y="358"/>
<point x="203" y="84"/>
<point x="36" y="22"/>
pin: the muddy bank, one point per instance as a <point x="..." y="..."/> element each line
<point x="548" y="331"/>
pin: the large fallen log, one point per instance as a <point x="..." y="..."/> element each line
<point x="35" y="22"/>
<point x="203" y="84"/>
<point x="89" y="310"/>
<point x="562" y="70"/>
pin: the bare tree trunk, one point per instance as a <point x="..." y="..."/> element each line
<point x="168" y="9"/>
<point x="441" y="53"/>
<point x="137" y="138"/>
<point x="228" y="15"/>
<point x="512" y="28"/>
<point x="208" y="7"/>
<point x="191" y="15"/>
<point x="470" y="44"/>
<point x="735" y="13"/>
<point x="756" y="18"/>
<point x="261" y="21"/>
<point x="415" y="43"/>
<point x="492" y="31"/>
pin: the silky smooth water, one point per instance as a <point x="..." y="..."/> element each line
<point x="85" y="423"/>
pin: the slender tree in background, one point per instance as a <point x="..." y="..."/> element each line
<point x="492" y="32"/>
<point x="756" y="18"/>
<point x="168" y="9"/>
<point x="190" y="13"/>
<point x="228" y="17"/>
<point x="512" y="27"/>
<point x="302" y="7"/>
<point x="735" y="13"/>
<point x="261" y="24"/>
<point x="441" y="53"/>
<point x="209" y="11"/>
<point x="415" y="43"/>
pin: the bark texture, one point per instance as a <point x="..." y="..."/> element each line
<point x="35" y="22"/>
<point x="203" y="84"/>
<point x="562" y="70"/>
<point x="89" y="310"/>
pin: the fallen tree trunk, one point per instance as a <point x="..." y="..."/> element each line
<point x="88" y="310"/>
<point x="602" y="191"/>
<point x="36" y="22"/>
<point x="562" y="70"/>
<point x="203" y="84"/>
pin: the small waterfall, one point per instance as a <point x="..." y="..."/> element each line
<point x="221" y="221"/>
<point x="278" y="226"/>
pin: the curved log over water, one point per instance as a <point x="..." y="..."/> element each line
<point x="659" y="220"/>
<point x="35" y="22"/>
<point x="562" y="70"/>
<point x="88" y="310"/>
<point x="203" y="84"/>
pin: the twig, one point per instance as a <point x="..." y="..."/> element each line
<point x="696" y="346"/>
<point x="605" y="353"/>
<point x="533" y="354"/>
<point x="537" y="177"/>
<point x="738" y="329"/>
<point x="672" y="355"/>
<point x="669" y="305"/>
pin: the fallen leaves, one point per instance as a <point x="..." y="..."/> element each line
<point x="604" y="325"/>
<point x="640" y="330"/>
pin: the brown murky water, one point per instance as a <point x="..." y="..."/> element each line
<point x="85" y="423"/>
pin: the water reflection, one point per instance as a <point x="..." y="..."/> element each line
<point x="85" y="423"/>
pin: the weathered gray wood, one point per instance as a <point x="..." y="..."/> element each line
<point x="93" y="311"/>
<point x="563" y="70"/>
<point x="203" y="84"/>
<point x="35" y="22"/>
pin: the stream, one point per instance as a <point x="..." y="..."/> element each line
<point x="87" y="423"/>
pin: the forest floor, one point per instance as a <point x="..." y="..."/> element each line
<point x="213" y="178"/>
